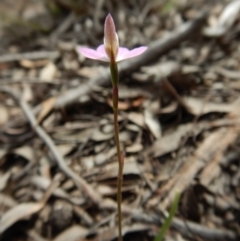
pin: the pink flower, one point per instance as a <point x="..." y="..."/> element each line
<point x="110" y="50"/>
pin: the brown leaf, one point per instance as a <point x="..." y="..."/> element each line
<point x="136" y="118"/>
<point x="153" y="124"/>
<point x="130" y="168"/>
<point x="30" y="64"/>
<point x="17" y="213"/>
<point x="216" y="142"/>
<point x="136" y="147"/>
<point x="200" y="106"/>
<point x="24" y="210"/>
<point x="48" y="73"/>
<point x="47" y="106"/>
<point x="170" y="141"/>
<point x="73" y="233"/>
<point x="4" y="115"/>
<point x="4" y="180"/>
<point x="26" y="152"/>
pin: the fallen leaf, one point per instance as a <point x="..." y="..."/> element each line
<point x="65" y="149"/>
<point x="17" y="213"/>
<point x="48" y="73"/>
<point x="43" y="183"/>
<point x="136" y="118"/>
<point x="103" y="157"/>
<point x="225" y="21"/>
<point x="27" y="93"/>
<point x="46" y="108"/>
<point x="162" y="70"/>
<point x="136" y="147"/>
<point x="4" y="115"/>
<point x="90" y="72"/>
<point x="100" y="136"/>
<point x="170" y="141"/>
<point x="130" y="168"/>
<point x="4" y="180"/>
<point x="26" y="152"/>
<point x="112" y="233"/>
<point x="73" y="233"/>
<point x="172" y="107"/>
<point x="214" y="143"/>
<point x="200" y="106"/>
<point x="153" y="124"/>
<point x="30" y="64"/>
<point x="138" y="101"/>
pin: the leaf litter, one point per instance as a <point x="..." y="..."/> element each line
<point x="178" y="121"/>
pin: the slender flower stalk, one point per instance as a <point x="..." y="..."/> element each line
<point x="112" y="53"/>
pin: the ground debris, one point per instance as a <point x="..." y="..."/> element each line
<point x="179" y="121"/>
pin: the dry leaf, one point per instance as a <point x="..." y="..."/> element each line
<point x="153" y="124"/>
<point x="136" y="118"/>
<point x="137" y="147"/>
<point x="90" y="72"/>
<point x="172" y="107"/>
<point x="4" y="180"/>
<point x="73" y="233"/>
<point x="43" y="183"/>
<point x="126" y="92"/>
<point x="162" y="70"/>
<point x="4" y="115"/>
<point x="48" y="73"/>
<point x="27" y="93"/>
<point x="30" y="64"/>
<point x="226" y="20"/>
<point x="201" y="107"/>
<point x="47" y="106"/>
<point x="138" y="101"/>
<point x="6" y="201"/>
<point x="65" y="149"/>
<point x="102" y="157"/>
<point x="130" y="168"/>
<point x="170" y="141"/>
<point x="26" y="152"/>
<point x="216" y="142"/>
<point x="100" y="136"/>
<point x="112" y="233"/>
<point x="17" y="213"/>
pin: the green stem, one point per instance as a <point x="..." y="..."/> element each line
<point x="114" y="75"/>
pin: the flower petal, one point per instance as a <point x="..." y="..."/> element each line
<point x="124" y="54"/>
<point x="92" y="54"/>
<point x="122" y="51"/>
<point x="102" y="51"/>
<point x="110" y="38"/>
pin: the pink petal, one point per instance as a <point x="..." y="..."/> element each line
<point x="91" y="53"/>
<point x="122" y="51"/>
<point x="124" y="54"/>
<point x="102" y="51"/>
<point x="110" y="37"/>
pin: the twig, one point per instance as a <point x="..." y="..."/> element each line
<point x="31" y="55"/>
<point x="174" y="93"/>
<point x="67" y="22"/>
<point x="204" y="232"/>
<point x="80" y="183"/>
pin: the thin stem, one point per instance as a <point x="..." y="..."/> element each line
<point x="120" y="174"/>
<point x="114" y="75"/>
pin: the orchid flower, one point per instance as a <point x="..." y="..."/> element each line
<point x="110" y="50"/>
<point x="112" y="53"/>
